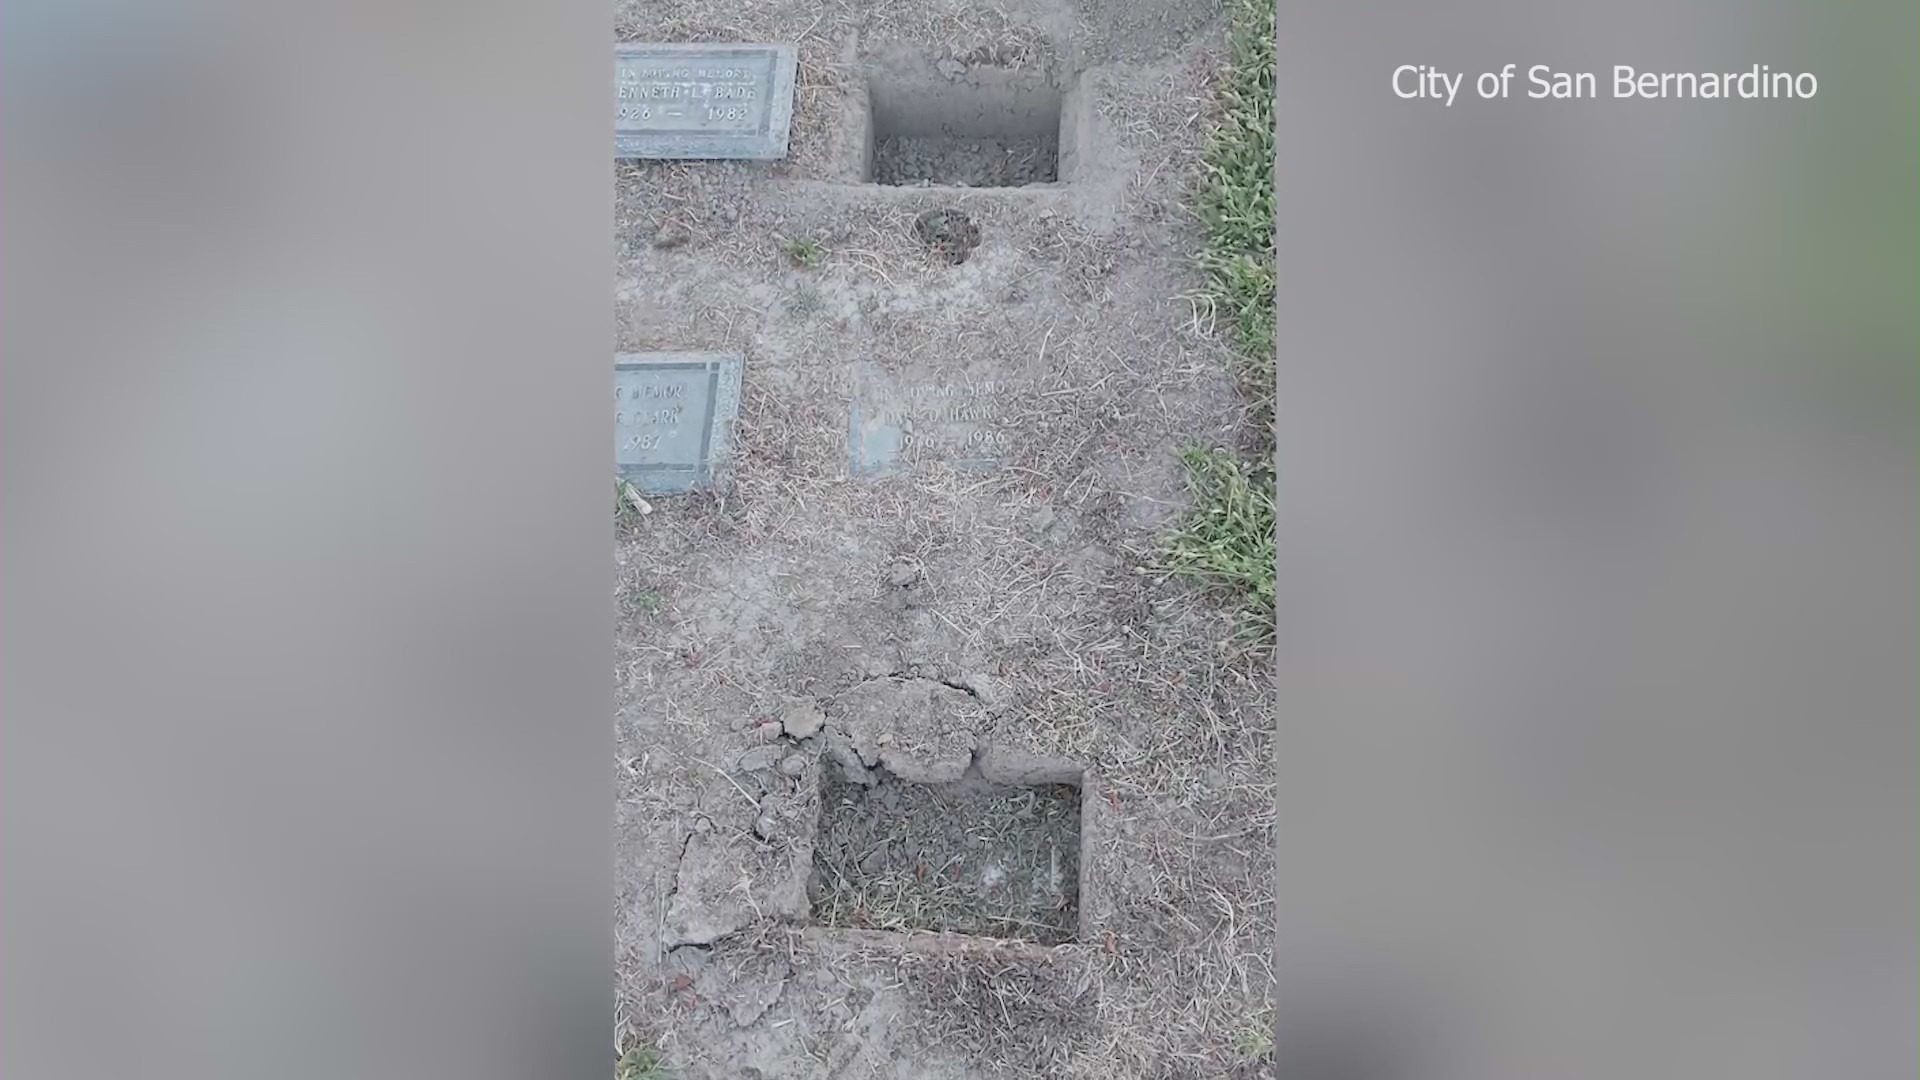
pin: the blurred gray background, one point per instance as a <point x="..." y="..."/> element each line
<point x="1596" y="447"/>
<point x="306" y="541"/>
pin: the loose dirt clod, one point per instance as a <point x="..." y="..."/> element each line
<point x="803" y="721"/>
<point x="670" y="236"/>
<point x="760" y="757"/>
<point x="950" y="234"/>
<point x="991" y="691"/>
<point x="917" y="729"/>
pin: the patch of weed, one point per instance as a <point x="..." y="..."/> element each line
<point x="1227" y="538"/>
<point x="804" y="251"/>
<point x="805" y="301"/>
<point x="1235" y="201"/>
<point x="640" y="1062"/>
<point x="645" y="602"/>
<point x="1254" y="1040"/>
<point x="629" y="506"/>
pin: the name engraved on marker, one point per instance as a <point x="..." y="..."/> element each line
<point x="962" y="424"/>
<point x="673" y="419"/>
<point x="703" y="101"/>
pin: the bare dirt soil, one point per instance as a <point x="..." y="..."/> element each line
<point x="966" y="162"/>
<point x="920" y="620"/>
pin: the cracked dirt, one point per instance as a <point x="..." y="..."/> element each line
<point x="955" y="641"/>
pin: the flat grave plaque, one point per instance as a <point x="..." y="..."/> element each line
<point x="702" y="101"/>
<point x="673" y="419"/>
<point x="894" y="426"/>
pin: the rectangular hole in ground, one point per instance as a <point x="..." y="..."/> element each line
<point x="986" y="128"/>
<point x="971" y="857"/>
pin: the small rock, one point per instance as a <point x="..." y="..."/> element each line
<point x="794" y="765"/>
<point x="702" y="826"/>
<point x="803" y="721"/>
<point x="760" y="757"/>
<point x="670" y="236"/>
<point x="766" y="827"/>
<point x="768" y="732"/>
<point x="903" y="574"/>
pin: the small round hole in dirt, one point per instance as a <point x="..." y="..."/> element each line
<point x="950" y="234"/>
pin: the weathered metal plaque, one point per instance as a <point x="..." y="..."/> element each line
<point x="702" y="101"/>
<point x="673" y="419"/>
<point x="894" y="426"/>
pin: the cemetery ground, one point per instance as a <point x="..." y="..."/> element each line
<point x="944" y="723"/>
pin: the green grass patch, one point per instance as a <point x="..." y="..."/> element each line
<point x="1254" y="1040"/>
<point x="804" y="251"/>
<point x="1227" y="538"/>
<point x="1235" y="201"/>
<point x="640" y="1062"/>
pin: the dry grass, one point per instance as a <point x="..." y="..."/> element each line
<point x="956" y="28"/>
<point x="1018" y="1014"/>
